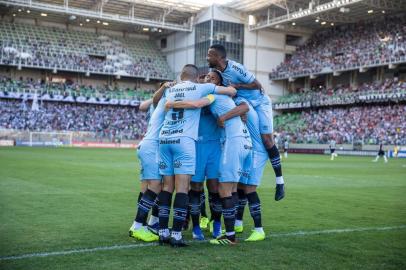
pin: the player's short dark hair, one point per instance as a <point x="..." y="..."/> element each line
<point x="220" y="50"/>
<point x="220" y="76"/>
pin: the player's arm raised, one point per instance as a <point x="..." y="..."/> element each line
<point x="145" y="105"/>
<point x="236" y="112"/>
<point x="191" y="104"/>
<point x="159" y="93"/>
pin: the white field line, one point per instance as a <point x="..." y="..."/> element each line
<point x="142" y="245"/>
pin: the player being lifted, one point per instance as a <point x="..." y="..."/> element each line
<point x="178" y="154"/>
<point x="248" y="87"/>
<point x="235" y="158"/>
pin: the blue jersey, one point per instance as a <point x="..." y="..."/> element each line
<point x="233" y="127"/>
<point x="156" y="121"/>
<point x="184" y="122"/>
<point x="151" y="109"/>
<point x="253" y="126"/>
<point x="208" y="128"/>
<point x="236" y="73"/>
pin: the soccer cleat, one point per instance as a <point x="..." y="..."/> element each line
<point x="279" y="192"/>
<point x="211" y="226"/>
<point x="255" y="236"/>
<point x="164" y="240"/>
<point x="204" y="221"/>
<point x="239" y="229"/>
<point x="154" y="228"/>
<point x="223" y="240"/>
<point x="177" y="243"/>
<point x="144" y="235"/>
<point x="198" y="234"/>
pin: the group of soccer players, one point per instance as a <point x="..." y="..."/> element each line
<point x="216" y="129"/>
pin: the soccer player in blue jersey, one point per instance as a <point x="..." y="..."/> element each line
<point x="207" y="167"/>
<point x="248" y="87"/>
<point x="235" y="158"/>
<point x="247" y="186"/>
<point x="150" y="177"/>
<point x="177" y="152"/>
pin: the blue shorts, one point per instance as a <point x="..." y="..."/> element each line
<point x="236" y="156"/>
<point x="149" y="158"/>
<point x="259" y="160"/>
<point x="207" y="160"/>
<point x="177" y="156"/>
<point x="265" y="116"/>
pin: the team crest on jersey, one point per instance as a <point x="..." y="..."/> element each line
<point x="162" y="165"/>
<point x="177" y="164"/>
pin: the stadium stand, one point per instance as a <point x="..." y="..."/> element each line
<point x="347" y="47"/>
<point x="54" y="48"/>
<point x="387" y="90"/>
<point x="369" y="124"/>
<point x="29" y="85"/>
<point x="105" y="121"/>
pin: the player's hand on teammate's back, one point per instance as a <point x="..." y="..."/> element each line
<point x="169" y="105"/>
<point x="220" y="122"/>
<point x="244" y="117"/>
<point x="169" y="84"/>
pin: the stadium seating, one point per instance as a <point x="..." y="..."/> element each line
<point x="348" y="47"/>
<point x="105" y="121"/>
<point x="368" y="124"/>
<point x="31" y="86"/>
<point x="55" y="48"/>
<point x="388" y="90"/>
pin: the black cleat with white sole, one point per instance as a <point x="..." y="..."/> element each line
<point x="279" y="192"/>
<point x="177" y="243"/>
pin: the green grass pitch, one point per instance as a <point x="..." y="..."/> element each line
<point x="65" y="199"/>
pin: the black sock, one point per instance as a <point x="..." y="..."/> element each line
<point x="211" y="205"/>
<point x="228" y="213"/>
<point x="155" y="208"/>
<point x="144" y="205"/>
<point x="139" y="197"/>
<point x="203" y="204"/>
<point x="138" y="202"/>
<point x="242" y="202"/>
<point x="234" y="195"/>
<point x="180" y="206"/>
<point x="194" y="204"/>
<point x="274" y="157"/>
<point x="165" y="200"/>
<point x="255" y="208"/>
<point x="216" y="207"/>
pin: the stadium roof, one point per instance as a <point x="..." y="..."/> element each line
<point x="161" y="16"/>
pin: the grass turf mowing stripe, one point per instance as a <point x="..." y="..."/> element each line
<point x="118" y="247"/>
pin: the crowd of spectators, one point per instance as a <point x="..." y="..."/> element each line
<point x="68" y="88"/>
<point x="346" y="47"/>
<point x="106" y="121"/>
<point x="368" y="124"/>
<point x="386" y="90"/>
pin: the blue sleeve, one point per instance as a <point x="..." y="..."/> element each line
<point x="239" y="100"/>
<point x="243" y="74"/>
<point x="208" y="88"/>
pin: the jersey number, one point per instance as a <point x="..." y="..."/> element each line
<point x="177" y="114"/>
